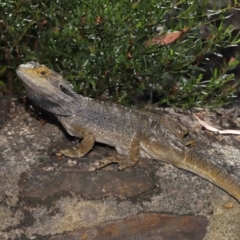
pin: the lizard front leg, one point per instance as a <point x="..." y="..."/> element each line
<point x="84" y="146"/>
<point x="124" y="161"/>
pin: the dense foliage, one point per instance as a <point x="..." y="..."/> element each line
<point x="100" y="46"/>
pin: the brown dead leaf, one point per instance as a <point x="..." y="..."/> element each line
<point x="98" y="20"/>
<point x="43" y="22"/>
<point x="129" y="55"/>
<point x="228" y="205"/>
<point x="167" y="38"/>
<point x="213" y="129"/>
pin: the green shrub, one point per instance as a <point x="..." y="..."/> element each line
<point x="100" y="47"/>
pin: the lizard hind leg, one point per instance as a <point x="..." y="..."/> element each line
<point x="121" y="160"/>
<point x="124" y="161"/>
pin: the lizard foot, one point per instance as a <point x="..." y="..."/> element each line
<point x="70" y="152"/>
<point x="122" y="161"/>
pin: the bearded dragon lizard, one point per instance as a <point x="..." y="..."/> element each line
<point x="133" y="133"/>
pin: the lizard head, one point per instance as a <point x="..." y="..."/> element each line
<point x="47" y="89"/>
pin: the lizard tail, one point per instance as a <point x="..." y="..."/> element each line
<point x="212" y="172"/>
<point x="186" y="159"/>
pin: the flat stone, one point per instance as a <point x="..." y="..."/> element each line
<point x="47" y="180"/>
<point x="145" y="226"/>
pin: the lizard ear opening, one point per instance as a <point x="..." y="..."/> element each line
<point x="66" y="91"/>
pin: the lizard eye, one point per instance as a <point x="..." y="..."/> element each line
<point x="43" y="73"/>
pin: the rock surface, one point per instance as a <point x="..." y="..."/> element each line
<point x="45" y="197"/>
